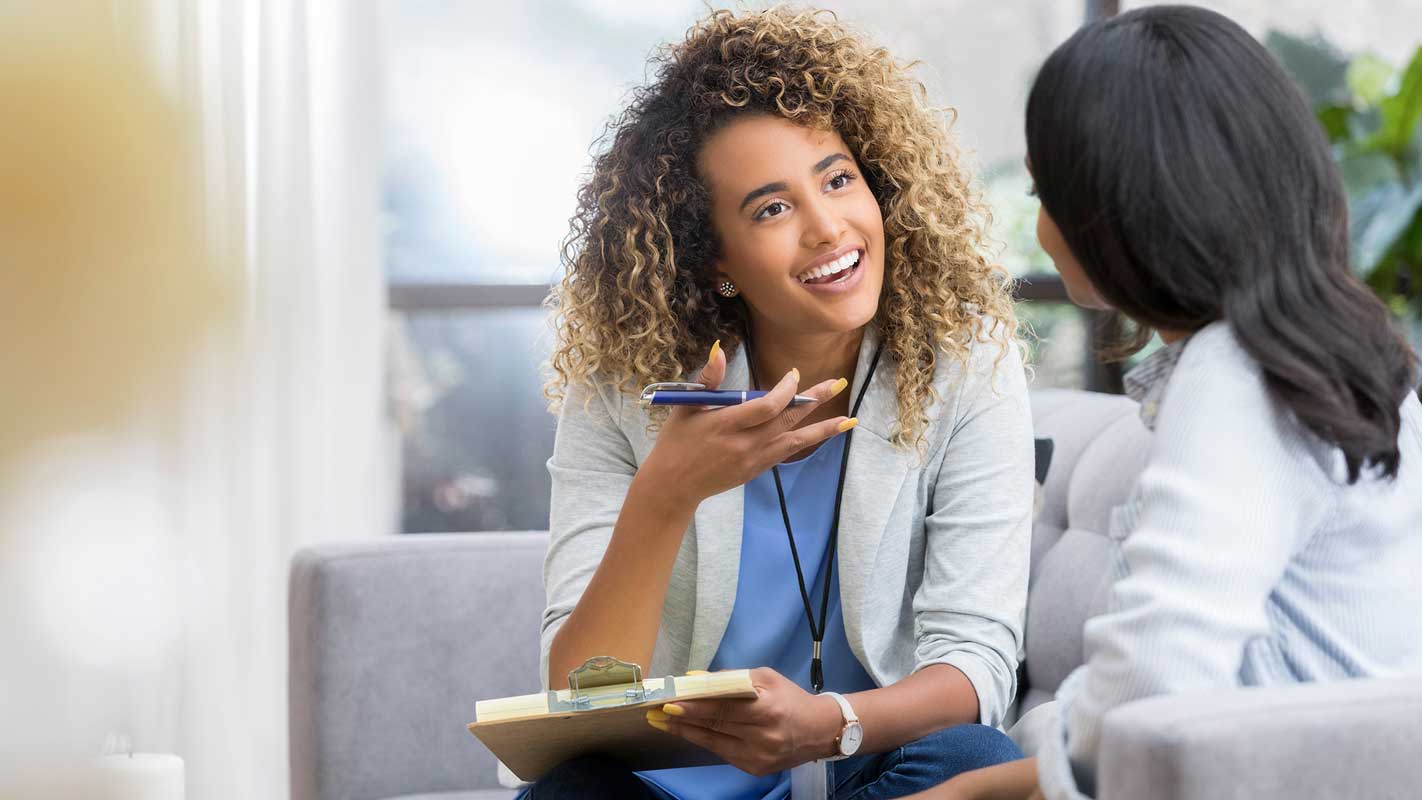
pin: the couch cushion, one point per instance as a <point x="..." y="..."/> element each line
<point x="392" y="642"/>
<point x="1099" y="448"/>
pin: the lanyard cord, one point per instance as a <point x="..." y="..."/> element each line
<point x="817" y="632"/>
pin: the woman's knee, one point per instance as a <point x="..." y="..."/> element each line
<point x="972" y="746"/>
<point x="587" y="777"/>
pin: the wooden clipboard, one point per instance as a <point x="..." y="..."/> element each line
<point x="602" y="713"/>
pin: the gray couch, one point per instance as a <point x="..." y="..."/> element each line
<point x="392" y="641"/>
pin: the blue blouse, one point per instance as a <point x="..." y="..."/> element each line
<point x="768" y="626"/>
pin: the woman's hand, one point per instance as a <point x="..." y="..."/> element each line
<point x="783" y="727"/>
<point x="703" y="452"/>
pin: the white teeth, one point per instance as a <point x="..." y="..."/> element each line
<point x="838" y="265"/>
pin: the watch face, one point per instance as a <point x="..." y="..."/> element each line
<point x="850" y="739"/>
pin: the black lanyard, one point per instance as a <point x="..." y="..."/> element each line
<point x="817" y="632"/>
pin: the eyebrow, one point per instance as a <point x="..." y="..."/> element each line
<point x="780" y="186"/>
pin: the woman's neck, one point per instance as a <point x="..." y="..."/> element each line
<point x="819" y="356"/>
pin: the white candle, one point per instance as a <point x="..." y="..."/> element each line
<point x="137" y="776"/>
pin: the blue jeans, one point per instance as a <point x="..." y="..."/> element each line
<point x="918" y="765"/>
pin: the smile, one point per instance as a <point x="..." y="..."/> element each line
<point x="834" y="272"/>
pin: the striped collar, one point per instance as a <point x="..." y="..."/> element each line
<point x="1145" y="382"/>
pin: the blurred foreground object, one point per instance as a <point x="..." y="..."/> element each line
<point x="107" y="288"/>
<point x="105" y="283"/>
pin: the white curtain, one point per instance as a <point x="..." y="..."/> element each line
<point x="151" y="561"/>
<point x="286" y="441"/>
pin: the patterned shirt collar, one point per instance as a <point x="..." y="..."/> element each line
<point x="1145" y="382"/>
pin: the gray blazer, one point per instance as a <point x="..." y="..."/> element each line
<point x="933" y="549"/>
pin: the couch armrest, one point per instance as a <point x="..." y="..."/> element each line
<point x="1357" y="738"/>
<point x="391" y="643"/>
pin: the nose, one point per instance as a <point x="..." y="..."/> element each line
<point x="822" y="225"/>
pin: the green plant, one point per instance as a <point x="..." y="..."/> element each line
<point x="1372" y="113"/>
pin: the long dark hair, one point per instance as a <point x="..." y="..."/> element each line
<point x="1192" y="183"/>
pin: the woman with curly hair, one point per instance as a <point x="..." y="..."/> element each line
<point x="781" y="197"/>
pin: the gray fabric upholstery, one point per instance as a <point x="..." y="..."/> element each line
<point x="392" y="641"/>
<point x="1099" y="448"/>
<point x="1336" y="740"/>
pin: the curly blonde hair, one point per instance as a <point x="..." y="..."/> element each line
<point x="637" y="302"/>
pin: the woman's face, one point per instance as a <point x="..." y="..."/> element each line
<point x="1079" y="287"/>
<point x="799" y="231"/>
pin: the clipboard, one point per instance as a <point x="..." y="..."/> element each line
<point x="603" y="712"/>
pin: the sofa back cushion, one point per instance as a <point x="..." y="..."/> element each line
<point x="1099" y="447"/>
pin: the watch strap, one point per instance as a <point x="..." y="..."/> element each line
<point x="850" y="718"/>
<point x="844" y="707"/>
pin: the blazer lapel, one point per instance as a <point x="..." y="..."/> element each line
<point x="718" y="525"/>
<point x="875" y="474"/>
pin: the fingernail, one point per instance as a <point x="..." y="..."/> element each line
<point x="673" y="709"/>
<point x="715" y="348"/>
<point x="656" y="716"/>
<point x="661" y="726"/>
<point x="796" y="372"/>
<point x="698" y="672"/>
<point x="838" y="387"/>
<point x="847" y="424"/>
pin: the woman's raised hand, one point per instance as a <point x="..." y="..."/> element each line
<point x="702" y="452"/>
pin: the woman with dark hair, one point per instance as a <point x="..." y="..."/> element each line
<point x="1275" y="533"/>
<point x="779" y="208"/>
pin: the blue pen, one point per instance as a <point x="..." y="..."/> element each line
<point x="696" y="394"/>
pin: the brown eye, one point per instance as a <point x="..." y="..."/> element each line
<point x="774" y="209"/>
<point x="839" y="180"/>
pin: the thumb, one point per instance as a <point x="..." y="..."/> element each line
<point x="715" y="370"/>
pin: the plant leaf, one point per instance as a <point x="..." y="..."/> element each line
<point x="1365" y="170"/>
<point x="1412" y="250"/>
<point x="1334" y="120"/>
<point x="1318" y="68"/>
<point x="1379" y="218"/>
<point x="1401" y="110"/>
<point x="1368" y="77"/>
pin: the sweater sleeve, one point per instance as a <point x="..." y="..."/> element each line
<point x="591" y="469"/>
<point x="969" y="611"/>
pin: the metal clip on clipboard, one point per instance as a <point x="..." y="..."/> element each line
<point x="605" y="682"/>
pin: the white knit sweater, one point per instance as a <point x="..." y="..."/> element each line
<point x="1243" y="557"/>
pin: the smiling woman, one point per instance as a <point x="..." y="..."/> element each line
<point x="782" y="187"/>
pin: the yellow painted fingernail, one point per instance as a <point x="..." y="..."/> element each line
<point x="715" y="348"/>
<point x="661" y="726"/>
<point x="847" y="424"/>
<point x="838" y="387"/>
<point x="674" y="709"/>
<point x="657" y="716"/>
<point x="698" y="672"/>
<point x="796" y="372"/>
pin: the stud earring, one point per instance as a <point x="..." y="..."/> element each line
<point x="727" y="289"/>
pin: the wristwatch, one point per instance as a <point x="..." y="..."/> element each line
<point x="852" y="734"/>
